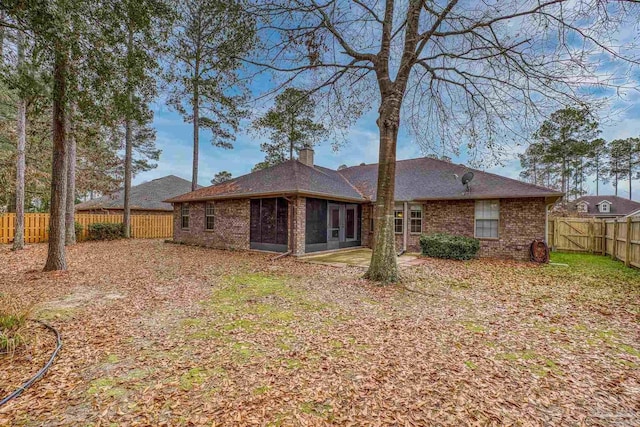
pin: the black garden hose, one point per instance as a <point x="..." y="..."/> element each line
<point x="41" y="372"/>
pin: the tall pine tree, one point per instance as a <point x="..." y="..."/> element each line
<point x="203" y="73"/>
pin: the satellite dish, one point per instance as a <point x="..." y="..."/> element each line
<point x="466" y="178"/>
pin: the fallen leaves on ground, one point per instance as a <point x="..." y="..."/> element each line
<point x="162" y="334"/>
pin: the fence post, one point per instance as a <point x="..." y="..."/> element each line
<point x="627" y="244"/>
<point x="604" y="237"/>
<point x="555" y="233"/>
<point x="592" y="236"/>
<point x="614" y="249"/>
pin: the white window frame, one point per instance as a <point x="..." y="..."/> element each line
<point x="185" y="207"/>
<point x="209" y="212"/>
<point x="603" y="209"/>
<point x="582" y="207"/>
<point x="413" y="220"/>
<point x="487" y="216"/>
<point x="398" y="209"/>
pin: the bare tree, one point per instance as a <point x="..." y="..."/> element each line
<point x="460" y="73"/>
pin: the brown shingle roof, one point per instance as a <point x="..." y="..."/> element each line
<point x="290" y="177"/>
<point x="431" y="179"/>
<point x="416" y="179"/>
<point x="619" y="205"/>
<point x="149" y="195"/>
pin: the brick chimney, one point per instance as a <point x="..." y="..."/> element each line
<point x="305" y="155"/>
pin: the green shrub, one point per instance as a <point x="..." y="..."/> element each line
<point x="449" y="246"/>
<point x="105" y="231"/>
<point x="79" y="229"/>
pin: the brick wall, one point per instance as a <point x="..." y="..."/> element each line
<point x="366" y="238"/>
<point x="299" y="225"/>
<point x="521" y="221"/>
<point x="231" y="227"/>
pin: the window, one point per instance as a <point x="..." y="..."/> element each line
<point x="582" y="207"/>
<point x="209" y="216"/>
<point x="398" y="219"/>
<point x="415" y="216"/>
<point x="487" y="218"/>
<point x="604" y="207"/>
<point x="185" y="215"/>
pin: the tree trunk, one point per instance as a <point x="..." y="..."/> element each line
<point x="70" y="218"/>
<point x="291" y="126"/>
<point x="383" y="267"/>
<point x="563" y="178"/>
<point x="2" y="38"/>
<point x="597" y="177"/>
<point x="21" y="130"/>
<point x="196" y="134"/>
<point x="630" y="172"/>
<point x="128" y="156"/>
<point x="128" y="149"/>
<point x="56" y="259"/>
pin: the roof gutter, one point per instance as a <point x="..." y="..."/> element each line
<point x="553" y="196"/>
<point x="270" y="194"/>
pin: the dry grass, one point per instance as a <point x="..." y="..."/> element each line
<point x="13" y="324"/>
<point x="159" y="334"/>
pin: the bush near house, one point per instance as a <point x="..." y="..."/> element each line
<point x="449" y="246"/>
<point x="106" y="231"/>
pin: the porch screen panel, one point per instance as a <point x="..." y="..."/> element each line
<point x="282" y="210"/>
<point x="268" y="220"/>
<point x="254" y="233"/>
<point x="351" y="225"/>
<point x="316" y="221"/>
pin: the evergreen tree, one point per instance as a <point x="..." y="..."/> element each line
<point x="221" y="177"/>
<point x="597" y="161"/>
<point x="564" y="137"/>
<point x="625" y="162"/>
<point x="204" y="71"/>
<point x="290" y="126"/>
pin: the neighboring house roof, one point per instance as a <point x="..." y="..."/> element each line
<point x="149" y="195"/>
<point x="416" y="179"/>
<point x="619" y="205"/>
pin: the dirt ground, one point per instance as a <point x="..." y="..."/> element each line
<point x="162" y="334"/>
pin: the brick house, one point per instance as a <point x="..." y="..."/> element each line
<point x="147" y="198"/>
<point x="300" y="207"/>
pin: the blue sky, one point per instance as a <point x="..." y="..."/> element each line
<point x="174" y="138"/>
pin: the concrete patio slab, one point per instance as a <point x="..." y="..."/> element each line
<point x="357" y="258"/>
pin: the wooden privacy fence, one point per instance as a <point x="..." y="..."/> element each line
<point x="618" y="238"/>
<point x="36" y="226"/>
